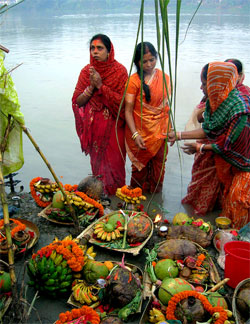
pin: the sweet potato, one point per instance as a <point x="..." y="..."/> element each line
<point x="176" y="249"/>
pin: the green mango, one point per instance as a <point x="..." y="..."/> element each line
<point x="5" y="282"/>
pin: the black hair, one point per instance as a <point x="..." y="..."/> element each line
<point x="147" y="47"/>
<point x="104" y="38"/>
<point x="204" y="71"/>
<point x="237" y="63"/>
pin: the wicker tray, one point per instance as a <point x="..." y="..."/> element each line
<point x="134" y="268"/>
<point x="30" y="227"/>
<point x="43" y="214"/>
<point x="134" y="250"/>
<point x="238" y="317"/>
<point x="149" y="286"/>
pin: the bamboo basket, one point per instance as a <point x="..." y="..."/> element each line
<point x="134" y="268"/>
<point x="29" y="227"/>
<point x="150" y="286"/>
<point x="238" y="317"/>
<point x="134" y="250"/>
<point x="43" y="214"/>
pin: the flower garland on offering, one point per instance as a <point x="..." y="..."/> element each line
<point x="20" y="227"/>
<point x="170" y="314"/>
<point x="37" y="199"/>
<point x="68" y="188"/>
<point x="91" y="201"/>
<point x="85" y="314"/>
<point x="68" y="249"/>
<point x="133" y="193"/>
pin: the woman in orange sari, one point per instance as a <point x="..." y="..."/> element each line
<point x="147" y="118"/>
<point x="227" y="125"/>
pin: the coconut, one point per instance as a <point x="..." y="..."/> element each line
<point x="92" y="187"/>
<point x="5" y="282"/>
<point x="170" y="287"/>
<point x="94" y="270"/>
<point x="166" y="268"/>
<point x="57" y="201"/>
<point x="180" y="219"/>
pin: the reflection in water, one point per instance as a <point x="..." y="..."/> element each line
<point x="54" y="49"/>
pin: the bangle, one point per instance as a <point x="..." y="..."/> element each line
<point x="201" y="148"/>
<point x="178" y="136"/>
<point x="134" y="135"/>
<point x="87" y="92"/>
<point x="198" y="147"/>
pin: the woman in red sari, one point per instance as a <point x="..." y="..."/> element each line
<point x="227" y="126"/>
<point x="147" y="117"/>
<point x="96" y="102"/>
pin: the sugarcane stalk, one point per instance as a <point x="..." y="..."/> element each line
<point x="218" y="285"/>
<point x="71" y="209"/>
<point x="7" y="229"/>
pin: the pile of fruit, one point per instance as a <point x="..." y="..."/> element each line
<point x="130" y="195"/>
<point x="110" y="229"/>
<point x="53" y="268"/>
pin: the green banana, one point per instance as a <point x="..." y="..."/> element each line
<point x="50" y="282"/>
<point x="31" y="283"/>
<point x="31" y="268"/>
<point x="63" y="290"/>
<point x="45" y="276"/>
<point x="69" y="277"/>
<point x="50" y="288"/>
<point x="65" y="284"/>
<point x="64" y="264"/>
<point x="58" y="259"/>
<point x="59" y="269"/>
<point x="52" y="267"/>
<point x="53" y="255"/>
<point x="54" y="275"/>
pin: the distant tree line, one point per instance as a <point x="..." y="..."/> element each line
<point x="82" y="6"/>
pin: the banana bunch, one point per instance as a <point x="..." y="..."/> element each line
<point x="85" y="294"/>
<point x="89" y="253"/>
<point x="156" y="316"/>
<point x="128" y="199"/>
<point x="50" y="275"/>
<point x="77" y="201"/>
<point x="107" y="232"/>
<point x="46" y="188"/>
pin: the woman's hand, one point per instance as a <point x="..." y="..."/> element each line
<point x="190" y="148"/>
<point x="95" y="78"/>
<point x="140" y="142"/>
<point x="171" y="137"/>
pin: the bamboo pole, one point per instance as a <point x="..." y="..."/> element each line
<point x="7" y="229"/>
<point x="72" y="211"/>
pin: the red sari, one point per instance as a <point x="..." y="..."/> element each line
<point x="96" y="122"/>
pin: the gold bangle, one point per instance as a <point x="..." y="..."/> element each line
<point x="134" y="135"/>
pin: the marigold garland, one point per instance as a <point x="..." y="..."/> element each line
<point x="37" y="199"/>
<point x="87" y="313"/>
<point x="68" y="188"/>
<point x="20" y="227"/>
<point x="137" y="192"/>
<point x="68" y="249"/>
<point x="185" y="294"/>
<point x="91" y="201"/>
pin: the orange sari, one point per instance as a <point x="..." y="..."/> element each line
<point x="151" y="121"/>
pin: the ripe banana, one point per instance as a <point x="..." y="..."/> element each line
<point x="155" y="316"/>
<point x="93" y="298"/>
<point x="84" y="297"/>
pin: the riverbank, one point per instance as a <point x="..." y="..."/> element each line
<point x="49" y="309"/>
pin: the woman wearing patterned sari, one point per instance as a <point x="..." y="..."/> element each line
<point x="205" y="189"/>
<point x="227" y="125"/>
<point x="147" y="120"/>
<point x="95" y="103"/>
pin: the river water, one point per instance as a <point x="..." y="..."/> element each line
<point x="54" y="49"/>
